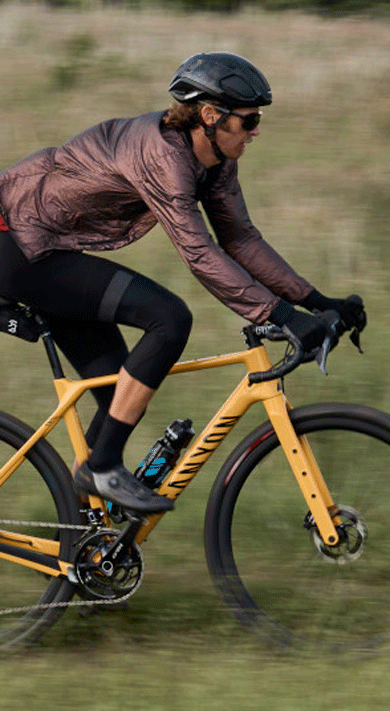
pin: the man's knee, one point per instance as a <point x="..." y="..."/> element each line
<point x="177" y="321"/>
<point x="184" y="317"/>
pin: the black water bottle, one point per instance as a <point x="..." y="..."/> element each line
<point x="164" y="453"/>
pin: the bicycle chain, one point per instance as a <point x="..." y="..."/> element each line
<point x="49" y="605"/>
<point x="42" y="524"/>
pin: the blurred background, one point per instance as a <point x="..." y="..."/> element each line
<point x="316" y="182"/>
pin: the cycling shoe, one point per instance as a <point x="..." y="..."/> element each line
<point x="121" y="487"/>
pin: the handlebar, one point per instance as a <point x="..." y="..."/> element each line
<point x="275" y="333"/>
<point x="254" y="335"/>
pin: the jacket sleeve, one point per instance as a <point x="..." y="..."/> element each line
<point x="168" y="186"/>
<point x="228" y="215"/>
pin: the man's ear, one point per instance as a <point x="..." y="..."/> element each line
<point x="209" y="114"/>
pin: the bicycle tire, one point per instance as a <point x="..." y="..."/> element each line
<point x="40" y="489"/>
<point x="293" y="590"/>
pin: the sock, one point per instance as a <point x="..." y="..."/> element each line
<point x="109" y="446"/>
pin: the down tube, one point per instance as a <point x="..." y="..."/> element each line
<point x="204" y="446"/>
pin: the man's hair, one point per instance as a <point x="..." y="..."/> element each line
<point x="183" y="116"/>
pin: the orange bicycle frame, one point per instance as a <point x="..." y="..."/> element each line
<point x="296" y="448"/>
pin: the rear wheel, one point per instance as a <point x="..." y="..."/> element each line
<point x="40" y="490"/>
<point x="264" y="552"/>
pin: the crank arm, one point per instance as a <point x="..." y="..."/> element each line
<point x="123" y="542"/>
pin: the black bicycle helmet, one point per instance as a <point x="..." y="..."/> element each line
<point x="221" y="76"/>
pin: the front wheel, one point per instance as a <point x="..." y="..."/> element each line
<point x="264" y="552"/>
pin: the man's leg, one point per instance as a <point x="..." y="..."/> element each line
<point x="83" y="297"/>
<point x="131" y="398"/>
<point x="129" y="402"/>
<point x="166" y="322"/>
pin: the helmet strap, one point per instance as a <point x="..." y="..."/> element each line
<point x="210" y="132"/>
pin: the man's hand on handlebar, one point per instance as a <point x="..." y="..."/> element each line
<point x="318" y="333"/>
<point x="311" y="336"/>
<point x="310" y="330"/>
<point x="351" y="310"/>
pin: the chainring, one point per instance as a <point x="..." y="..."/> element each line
<point x="105" y="580"/>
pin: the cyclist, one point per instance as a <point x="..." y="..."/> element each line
<point x="107" y="187"/>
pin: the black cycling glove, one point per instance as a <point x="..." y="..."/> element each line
<point x="311" y="330"/>
<point x="351" y="309"/>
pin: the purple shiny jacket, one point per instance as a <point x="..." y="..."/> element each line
<point x="109" y="185"/>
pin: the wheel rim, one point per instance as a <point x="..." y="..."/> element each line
<point x="272" y="570"/>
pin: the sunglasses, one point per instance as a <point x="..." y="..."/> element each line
<point x="248" y="121"/>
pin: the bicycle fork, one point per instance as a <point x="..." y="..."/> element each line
<point x="296" y="448"/>
<point x="305" y="468"/>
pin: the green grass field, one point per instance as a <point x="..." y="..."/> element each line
<point x="317" y="185"/>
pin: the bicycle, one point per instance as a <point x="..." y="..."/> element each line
<point x="306" y="563"/>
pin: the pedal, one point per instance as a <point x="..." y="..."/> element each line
<point x="116" y="512"/>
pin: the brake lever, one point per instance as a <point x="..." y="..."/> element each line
<point x="322" y="354"/>
<point x="354" y="337"/>
<point x="333" y="319"/>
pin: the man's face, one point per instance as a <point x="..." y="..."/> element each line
<point x="231" y="136"/>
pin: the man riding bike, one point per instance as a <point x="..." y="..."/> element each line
<point x="105" y="188"/>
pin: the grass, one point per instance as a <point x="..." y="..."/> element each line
<point x="316" y="183"/>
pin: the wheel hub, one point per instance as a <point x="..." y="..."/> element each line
<point x="352" y="537"/>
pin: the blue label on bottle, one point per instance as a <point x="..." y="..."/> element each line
<point x="149" y="454"/>
<point x="155" y="467"/>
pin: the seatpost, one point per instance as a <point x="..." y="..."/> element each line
<point x="51" y="349"/>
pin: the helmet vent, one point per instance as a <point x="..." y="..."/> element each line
<point x="237" y="87"/>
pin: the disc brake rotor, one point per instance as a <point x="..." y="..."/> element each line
<point x="352" y="538"/>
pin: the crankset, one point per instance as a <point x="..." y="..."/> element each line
<point x="352" y="533"/>
<point x="105" y="576"/>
